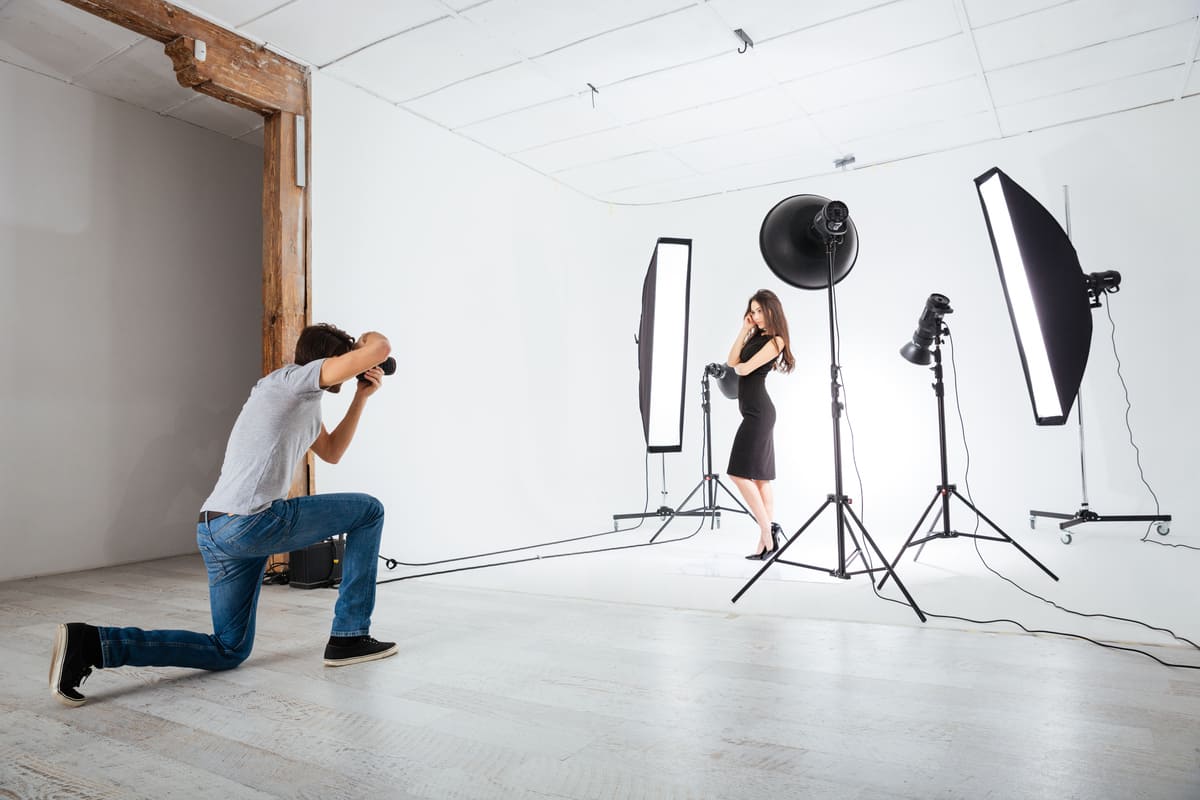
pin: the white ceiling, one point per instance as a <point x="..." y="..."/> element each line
<point x="676" y="112"/>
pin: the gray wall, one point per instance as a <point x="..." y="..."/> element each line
<point x="130" y="310"/>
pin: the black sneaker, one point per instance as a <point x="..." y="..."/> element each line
<point x="345" y="650"/>
<point x="69" y="665"/>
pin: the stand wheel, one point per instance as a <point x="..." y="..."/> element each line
<point x="1032" y="523"/>
<point x="1066" y="538"/>
<point x="1163" y="528"/>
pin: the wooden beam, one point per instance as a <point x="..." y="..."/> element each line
<point x="234" y="69"/>
<point x="286" y="274"/>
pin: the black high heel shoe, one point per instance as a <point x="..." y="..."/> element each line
<point x="766" y="554"/>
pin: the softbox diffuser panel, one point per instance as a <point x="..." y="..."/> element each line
<point x="1046" y="293"/>
<point x="662" y="344"/>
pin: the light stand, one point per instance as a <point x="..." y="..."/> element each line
<point x="710" y="482"/>
<point x="843" y="514"/>
<point x="1098" y="283"/>
<point x="945" y="489"/>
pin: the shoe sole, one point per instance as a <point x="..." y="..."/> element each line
<point x="56" y="666"/>
<point x="345" y="662"/>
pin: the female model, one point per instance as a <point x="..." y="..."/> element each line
<point x="761" y="346"/>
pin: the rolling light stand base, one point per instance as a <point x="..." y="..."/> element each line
<point x="1085" y="514"/>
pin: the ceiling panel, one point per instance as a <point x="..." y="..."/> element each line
<point x="1193" y="82"/>
<point x="682" y="87"/>
<point x="896" y="112"/>
<point x="767" y="19"/>
<point x="55" y="39"/>
<point x="792" y="139"/>
<point x="208" y="112"/>
<point x="666" y="41"/>
<point x="535" y="27"/>
<point x="254" y="137"/>
<point x="871" y="34"/>
<point x="744" y="176"/>
<point x="550" y="122"/>
<point x="587" y="149"/>
<point x="485" y="96"/>
<point x="1092" y="65"/>
<point x="142" y="75"/>
<point x="635" y="170"/>
<point x="422" y="60"/>
<point x="230" y="13"/>
<point x="1074" y="25"/>
<point x="982" y="13"/>
<point x="757" y="110"/>
<point x="925" y="65"/>
<point x="320" y="32"/>
<point x="1133" y="92"/>
<point x="668" y="191"/>
<point x="923" y="139"/>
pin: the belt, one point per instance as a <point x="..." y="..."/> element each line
<point x="209" y="516"/>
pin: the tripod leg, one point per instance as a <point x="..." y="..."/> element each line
<point x="1010" y="540"/>
<point x="911" y="536"/>
<point x="920" y="614"/>
<point x="928" y="535"/>
<point x="781" y="550"/>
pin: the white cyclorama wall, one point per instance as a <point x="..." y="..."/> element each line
<point x="511" y="304"/>
<point x="1132" y="180"/>
<point x="130" y="285"/>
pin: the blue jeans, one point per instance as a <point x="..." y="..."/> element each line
<point x="235" y="550"/>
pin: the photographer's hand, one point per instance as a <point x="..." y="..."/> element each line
<point x="369" y="383"/>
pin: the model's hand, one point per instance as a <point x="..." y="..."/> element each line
<point x="748" y="324"/>
<point x="369" y="383"/>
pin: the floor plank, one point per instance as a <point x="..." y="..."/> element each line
<point x="500" y="694"/>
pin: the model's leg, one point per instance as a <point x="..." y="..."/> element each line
<point x="768" y="497"/>
<point x="754" y="500"/>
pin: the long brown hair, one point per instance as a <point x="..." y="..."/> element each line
<point x="776" y="325"/>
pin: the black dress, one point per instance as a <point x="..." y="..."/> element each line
<point x="753" y="453"/>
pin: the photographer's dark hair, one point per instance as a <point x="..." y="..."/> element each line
<point x="322" y="341"/>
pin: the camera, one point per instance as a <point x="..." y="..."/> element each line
<point x="388" y="366"/>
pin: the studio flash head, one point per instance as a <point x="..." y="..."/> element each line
<point x="716" y="370"/>
<point x="929" y="326"/>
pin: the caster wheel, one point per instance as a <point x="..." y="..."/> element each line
<point x="1032" y="523"/>
<point x="1163" y="528"/>
<point x="1066" y="538"/>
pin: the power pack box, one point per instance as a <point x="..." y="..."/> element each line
<point x="317" y="565"/>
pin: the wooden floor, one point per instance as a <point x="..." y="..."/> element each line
<point x="499" y="695"/>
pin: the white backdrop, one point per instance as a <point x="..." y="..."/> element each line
<point x="512" y="302"/>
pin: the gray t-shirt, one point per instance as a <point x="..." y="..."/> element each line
<point x="274" y="430"/>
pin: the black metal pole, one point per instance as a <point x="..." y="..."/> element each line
<point x="836" y="415"/>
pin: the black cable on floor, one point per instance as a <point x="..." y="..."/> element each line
<point x="966" y="483"/>
<point x="392" y="563"/>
